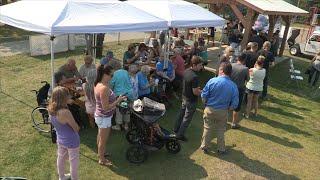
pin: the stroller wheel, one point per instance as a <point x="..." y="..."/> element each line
<point x="173" y="146"/>
<point x="137" y="154"/>
<point x="132" y="136"/>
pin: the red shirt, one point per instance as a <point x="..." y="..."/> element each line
<point x="178" y="62"/>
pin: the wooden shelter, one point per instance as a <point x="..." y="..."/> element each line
<point x="272" y="8"/>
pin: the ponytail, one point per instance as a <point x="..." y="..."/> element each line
<point x="99" y="75"/>
<point x="101" y="71"/>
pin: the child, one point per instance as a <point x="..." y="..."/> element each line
<point x="67" y="129"/>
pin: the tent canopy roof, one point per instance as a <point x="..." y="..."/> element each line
<point x="179" y="13"/>
<point x="267" y="7"/>
<point x="78" y="16"/>
<point x="273" y="7"/>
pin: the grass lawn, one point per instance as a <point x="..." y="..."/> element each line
<point x="281" y="143"/>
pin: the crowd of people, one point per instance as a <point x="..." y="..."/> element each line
<point x="240" y="77"/>
<point x="233" y="34"/>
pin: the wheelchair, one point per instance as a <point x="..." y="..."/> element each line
<point x="40" y="115"/>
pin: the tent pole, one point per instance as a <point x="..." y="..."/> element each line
<point x="52" y="61"/>
<point x="168" y="44"/>
<point x="95" y="47"/>
<point x="118" y="38"/>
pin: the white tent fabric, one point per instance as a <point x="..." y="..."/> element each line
<point x="178" y="13"/>
<point x="54" y="17"/>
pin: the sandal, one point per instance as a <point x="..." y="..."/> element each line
<point x="105" y="163"/>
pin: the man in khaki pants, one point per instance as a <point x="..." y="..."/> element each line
<point x="219" y="95"/>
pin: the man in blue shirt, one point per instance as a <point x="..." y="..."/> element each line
<point x="219" y="95"/>
<point x="165" y="71"/>
<point x="121" y="86"/>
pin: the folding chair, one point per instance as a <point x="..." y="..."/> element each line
<point x="292" y="69"/>
<point x="294" y="74"/>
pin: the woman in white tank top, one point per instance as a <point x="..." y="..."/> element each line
<point x="255" y="86"/>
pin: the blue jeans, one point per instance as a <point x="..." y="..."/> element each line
<point x="185" y="116"/>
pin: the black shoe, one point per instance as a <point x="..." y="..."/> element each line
<point x="205" y="150"/>
<point x="182" y="138"/>
<point x="222" y="152"/>
<point x="235" y="126"/>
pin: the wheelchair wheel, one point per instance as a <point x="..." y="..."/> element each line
<point x="53" y="134"/>
<point x="137" y="154"/>
<point x="173" y="146"/>
<point x="132" y="136"/>
<point x="40" y="119"/>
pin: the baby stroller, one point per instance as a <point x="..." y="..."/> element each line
<point x="144" y="132"/>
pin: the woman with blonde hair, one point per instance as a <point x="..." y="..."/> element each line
<point x="68" y="140"/>
<point x="227" y="57"/>
<point x="106" y="103"/>
<point x="255" y="86"/>
<point x="90" y="101"/>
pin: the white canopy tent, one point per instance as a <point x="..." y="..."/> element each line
<point x="54" y="17"/>
<point x="178" y="13"/>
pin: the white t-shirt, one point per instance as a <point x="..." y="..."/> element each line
<point x="256" y="79"/>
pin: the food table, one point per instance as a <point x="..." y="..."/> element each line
<point x="77" y="107"/>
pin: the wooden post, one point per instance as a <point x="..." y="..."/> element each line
<point x="284" y="38"/>
<point x="237" y="12"/>
<point x="247" y="25"/>
<point x="272" y="21"/>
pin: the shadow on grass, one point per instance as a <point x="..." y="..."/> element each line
<point x="160" y="164"/>
<point x="273" y="138"/>
<point x="286" y="127"/>
<point x="286" y="103"/>
<point x="18" y="100"/>
<point x="78" y="51"/>
<point x="282" y="112"/>
<point x="280" y="80"/>
<point x="254" y="166"/>
<point x="176" y="165"/>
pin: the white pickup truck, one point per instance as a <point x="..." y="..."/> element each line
<point x="310" y="47"/>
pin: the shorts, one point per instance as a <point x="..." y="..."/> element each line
<point x="103" y="122"/>
<point x="241" y="94"/>
<point x="253" y="92"/>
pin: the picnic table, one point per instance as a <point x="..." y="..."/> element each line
<point x="77" y="93"/>
<point x="152" y="64"/>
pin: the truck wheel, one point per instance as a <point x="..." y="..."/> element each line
<point x="294" y="50"/>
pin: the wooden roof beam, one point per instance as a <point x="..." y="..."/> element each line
<point x="237" y="12"/>
<point x="217" y="1"/>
